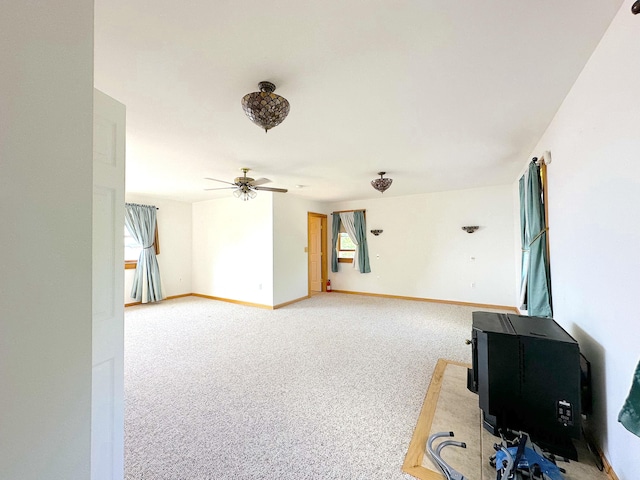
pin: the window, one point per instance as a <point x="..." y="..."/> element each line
<point x="132" y="249"/>
<point x="346" y="247"/>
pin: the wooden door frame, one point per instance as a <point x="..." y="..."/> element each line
<point x="323" y="249"/>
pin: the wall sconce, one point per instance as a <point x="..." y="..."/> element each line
<point x="471" y="229"/>
<point x="376" y="232"/>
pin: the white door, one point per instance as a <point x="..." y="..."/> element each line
<point x="107" y="406"/>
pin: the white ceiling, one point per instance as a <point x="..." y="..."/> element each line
<point x="441" y="95"/>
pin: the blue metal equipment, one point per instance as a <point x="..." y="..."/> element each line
<point x="521" y="459"/>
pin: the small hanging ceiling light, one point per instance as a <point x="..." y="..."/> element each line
<point x="265" y="108"/>
<point x="381" y="184"/>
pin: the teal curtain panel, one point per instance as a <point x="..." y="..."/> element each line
<point x="537" y="291"/>
<point x="630" y="414"/>
<point x="140" y="220"/>
<point x="524" y="264"/>
<point x="361" y="235"/>
<point x="335" y="231"/>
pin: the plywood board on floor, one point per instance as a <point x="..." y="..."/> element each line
<point x="449" y="406"/>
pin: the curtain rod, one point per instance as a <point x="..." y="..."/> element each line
<point x="544" y="159"/>
<point x="140" y="205"/>
<point x="345" y="211"/>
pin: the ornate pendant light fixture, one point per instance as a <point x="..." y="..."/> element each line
<point x="265" y="108"/>
<point x="381" y="184"/>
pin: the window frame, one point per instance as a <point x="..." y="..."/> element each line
<point x="343" y="230"/>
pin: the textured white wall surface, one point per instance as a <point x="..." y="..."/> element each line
<point x="290" y="262"/>
<point x="423" y="251"/>
<point x="233" y="249"/>
<point x="46" y="178"/>
<point x="594" y="206"/>
<point x="175" y="237"/>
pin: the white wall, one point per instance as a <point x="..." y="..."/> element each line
<point x="423" y="251"/>
<point x="290" y="261"/>
<point x="46" y="137"/>
<point x="594" y="233"/>
<point x="174" y="234"/>
<point x="233" y="249"/>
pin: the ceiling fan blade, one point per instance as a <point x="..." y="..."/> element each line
<point x="216" y="180"/>
<point x="260" y="181"/>
<point x="269" y="189"/>
<point x="221" y="188"/>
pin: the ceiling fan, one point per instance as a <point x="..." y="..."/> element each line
<point x="246" y="187"/>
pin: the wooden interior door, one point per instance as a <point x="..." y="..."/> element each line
<point x="107" y="397"/>
<point x="316" y="251"/>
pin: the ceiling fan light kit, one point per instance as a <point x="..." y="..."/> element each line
<point x="245" y="193"/>
<point x="381" y="184"/>
<point x="265" y="108"/>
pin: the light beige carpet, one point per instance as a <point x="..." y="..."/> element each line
<point x="327" y="388"/>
